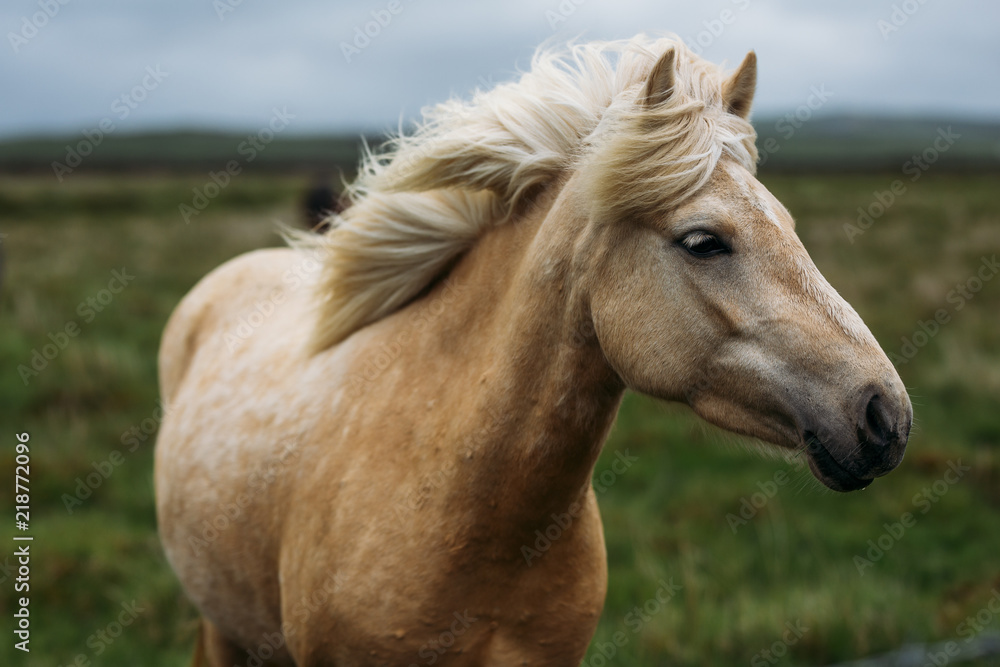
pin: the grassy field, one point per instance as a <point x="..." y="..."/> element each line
<point x="102" y="593"/>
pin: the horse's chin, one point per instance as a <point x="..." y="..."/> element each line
<point x="829" y="471"/>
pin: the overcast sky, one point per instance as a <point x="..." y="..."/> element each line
<point x="227" y="63"/>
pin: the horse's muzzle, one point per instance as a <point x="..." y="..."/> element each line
<point x="874" y="448"/>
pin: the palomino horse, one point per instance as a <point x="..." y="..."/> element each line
<point x="362" y="496"/>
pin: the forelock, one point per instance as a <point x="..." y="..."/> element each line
<point x="642" y="159"/>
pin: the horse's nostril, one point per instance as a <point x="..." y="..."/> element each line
<point x="877" y="422"/>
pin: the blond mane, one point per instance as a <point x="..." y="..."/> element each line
<point x="424" y="198"/>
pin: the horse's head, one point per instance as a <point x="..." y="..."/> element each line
<point x="703" y="293"/>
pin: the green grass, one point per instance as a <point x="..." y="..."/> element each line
<point x="665" y="517"/>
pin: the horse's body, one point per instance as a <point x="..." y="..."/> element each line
<point x="369" y="501"/>
<point x="409" y="495"/>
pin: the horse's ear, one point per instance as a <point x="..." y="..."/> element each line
<point x="737" y="91"/>
<point x="660" y="84"/>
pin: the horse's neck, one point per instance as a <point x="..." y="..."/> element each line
<point x="545" y="396"/>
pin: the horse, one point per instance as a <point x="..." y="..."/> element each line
<point x="366" y="429"/>
<point x="320" y="203"/>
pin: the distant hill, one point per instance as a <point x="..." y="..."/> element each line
<point x="182" y="151"/>
<point x="867" y="143"/>
<point x="841" y="143"/>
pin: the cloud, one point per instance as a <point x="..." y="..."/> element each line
<point x="228" y="69"/>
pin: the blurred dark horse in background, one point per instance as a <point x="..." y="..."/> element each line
<point x="320" y="204"/>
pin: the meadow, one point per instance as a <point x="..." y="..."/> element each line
<point x="753" y="560"/>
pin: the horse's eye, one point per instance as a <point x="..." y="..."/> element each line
<point x="703" y="244"/>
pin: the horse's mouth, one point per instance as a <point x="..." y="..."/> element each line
<point x="828" y="470"/>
